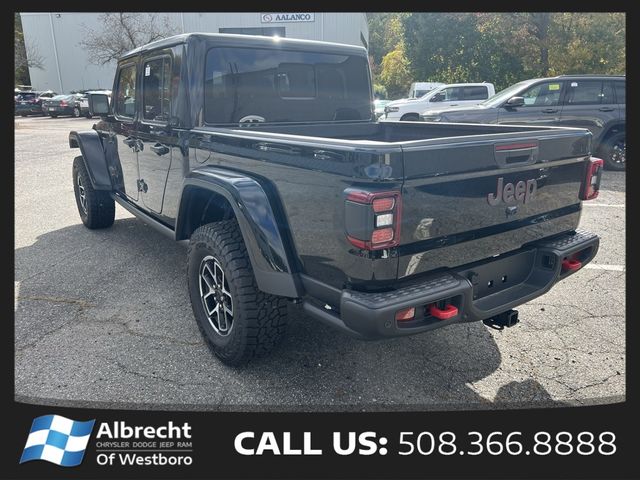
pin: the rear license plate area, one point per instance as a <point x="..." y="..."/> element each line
<point x="499" y="274"/>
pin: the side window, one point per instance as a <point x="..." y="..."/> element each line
<point x="476" y="93"/>
<point x="126" y="92"/>
<point x="454" y="93"/>
<point x="156" y="89"/>
<point x="543" y="95"/>
<point x="621" y="97"/>
<point x="584" y="93"/>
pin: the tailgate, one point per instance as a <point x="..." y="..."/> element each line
<point x="468" y="199"/>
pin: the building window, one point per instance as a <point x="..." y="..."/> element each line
<point x="264" y="31"/>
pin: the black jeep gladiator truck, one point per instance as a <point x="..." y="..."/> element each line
<point x="264" y="155"/>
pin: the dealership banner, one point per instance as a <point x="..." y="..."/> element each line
<point x="62" y="442"/>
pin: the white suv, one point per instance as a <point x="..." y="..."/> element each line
<point x="450" y="95"/>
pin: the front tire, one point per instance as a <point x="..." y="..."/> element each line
<point x="238" y="321"/>
<point x="76" y="112"/>
<point x="410" y="117"/>
<point x="613" y="152"/>
<point x="97" y="209"/>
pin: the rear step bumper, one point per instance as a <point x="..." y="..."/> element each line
<point x="473" y="292"/>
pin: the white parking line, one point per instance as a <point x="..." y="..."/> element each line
<point x="621" y="205"/>
<point x="602" y="266"/>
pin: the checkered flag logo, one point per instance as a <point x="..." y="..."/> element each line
<point x="57" y="440"/>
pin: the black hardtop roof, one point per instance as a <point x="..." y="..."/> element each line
<point x="258" y="41"/>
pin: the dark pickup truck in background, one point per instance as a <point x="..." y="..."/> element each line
<point x="265" y="156"/>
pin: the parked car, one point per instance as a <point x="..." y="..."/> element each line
<point x="63" y="105"/>
<point x="378" y="106"/>
<point x="596" y="102"/>
<point x="264" y="156"/>
<point x="418" y="89"/>
<point x="30" y="102"/>
<point x="453" y="94"/>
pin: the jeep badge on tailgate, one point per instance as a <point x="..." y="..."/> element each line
<point x="520" y="192"/>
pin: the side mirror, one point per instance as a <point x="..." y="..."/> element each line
<point x="515" y="102"/>
<point x="438" y="97"/>
<point x="99" y="104"/>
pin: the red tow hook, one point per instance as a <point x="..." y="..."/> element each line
<point x="571" y="264"/>
<point x="443" y="313"/>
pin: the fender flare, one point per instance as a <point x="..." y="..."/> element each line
<point x="94" y="157"/>
<point x="257" y="213"/>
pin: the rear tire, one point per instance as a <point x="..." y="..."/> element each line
<point x="238" y="321"/>
<point x="96" y="207"/>
<point x="613" y="152"/>
<point x="53" y="116"/>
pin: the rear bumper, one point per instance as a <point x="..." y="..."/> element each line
<point x="22" y="109"/>
<point x="478" y="291"/>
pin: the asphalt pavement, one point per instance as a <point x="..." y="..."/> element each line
<point x="103" y="319"/>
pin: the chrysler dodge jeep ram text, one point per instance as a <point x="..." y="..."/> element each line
<point x="264" y="155"/>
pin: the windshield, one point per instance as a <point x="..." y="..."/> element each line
<point x="505" y="94"/>
<point x="249" y="84"/>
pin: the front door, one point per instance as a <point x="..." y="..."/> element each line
<point x="125" y="128"/>
<point x="541" y="106"/>
<point x="154" y="134"/>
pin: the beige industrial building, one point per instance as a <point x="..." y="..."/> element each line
<point x="56" y="37"/>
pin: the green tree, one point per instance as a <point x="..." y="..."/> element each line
<point x="395" y="72"/>
<point x="26" y="55"/>
<point x="588" y="43"/>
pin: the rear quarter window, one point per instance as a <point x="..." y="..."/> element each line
<point x="621" y="92"/>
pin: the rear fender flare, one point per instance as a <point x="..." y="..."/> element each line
<point x="257" y="214"/>
<point x="94" y="157"/>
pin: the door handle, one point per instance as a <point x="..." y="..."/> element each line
<point x="549" y="110"/>
<point x="606" y="109"/>
<point x="160" y="149"/>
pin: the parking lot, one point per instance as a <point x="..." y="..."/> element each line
<point x="102" y="318"/>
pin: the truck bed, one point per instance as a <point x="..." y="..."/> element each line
<point x="444" y="172"/>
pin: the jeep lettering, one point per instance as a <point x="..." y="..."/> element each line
<point x="522" y="192"/>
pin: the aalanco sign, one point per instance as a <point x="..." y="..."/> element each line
<point x="286" y="17"/>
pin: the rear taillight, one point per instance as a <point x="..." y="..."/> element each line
<point x="373" y="219"/>
<point x="591" y="182"/>
<point x="63" y="103"/>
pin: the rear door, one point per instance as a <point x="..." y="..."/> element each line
<point x="154" y="135"/>
<point x="589" y="104"/>
<point x="542" y="106"/>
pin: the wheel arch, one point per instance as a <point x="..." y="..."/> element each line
<point x="212" y="194"/>
<point x="614" y="129"/>
<point x="94" y="157"/>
